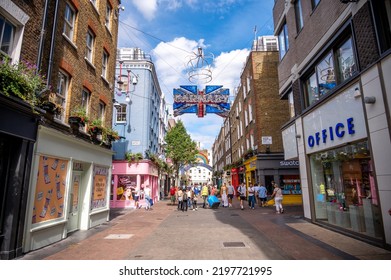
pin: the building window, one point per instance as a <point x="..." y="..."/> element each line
<point x="338" y="65"/>
<point x="344" y="189"/>
<point x="315" y="3"/>
<point x="102" y="111"/>
<point x="299" y="16"/>
<point x="69" y="21"/>
<point x="382" y="16"/>
<point x="346" y="63"/>
<point x="283" y="43"/>
<point x="85" y="99"/>
<point x="108" y="16"/>
<point x="90" y="46"/>
<point x="121" y="113"/>
<point x="291" y="105"/>
<point x="7" y="31"/>
<point x="61" y="93"/>
<point x="105" y="61"/>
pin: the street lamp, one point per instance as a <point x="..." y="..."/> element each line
<point x="132" y="80"/>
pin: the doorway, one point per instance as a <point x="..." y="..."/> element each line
<point x="74" y="202"/>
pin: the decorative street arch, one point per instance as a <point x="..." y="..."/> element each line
<point x="214" y="100"/>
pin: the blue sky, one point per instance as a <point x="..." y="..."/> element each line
<point x="171" y="30"/>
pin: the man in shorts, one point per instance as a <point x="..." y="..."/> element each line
<point x="231" y="193"/>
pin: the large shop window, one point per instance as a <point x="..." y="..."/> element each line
<point x="344" y="189"/>
<point x="336" y="66"/>
<point x="382" y="16"/>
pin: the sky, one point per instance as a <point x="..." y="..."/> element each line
<point x="172" y="30"/>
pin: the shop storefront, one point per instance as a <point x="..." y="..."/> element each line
<point x="285" y="173"/>
<point x="17" y="139"/>
<point x="129" y="177"/>
<point x="343" y="187"/>
<point x="69" y="188"/>
<point x="250" y="167"/>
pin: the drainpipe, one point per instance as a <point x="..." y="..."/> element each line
<point x="42" y="36"/>
<point x="52" y="46"/>
<point x="40" y="51"/>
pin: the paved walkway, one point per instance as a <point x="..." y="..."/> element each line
<point x="208" y="234"/>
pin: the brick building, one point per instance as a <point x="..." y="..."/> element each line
<point x="334" y="64"/>
<point x="73" y="43"/>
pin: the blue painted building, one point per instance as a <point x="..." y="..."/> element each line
<point x="140" y="114"/>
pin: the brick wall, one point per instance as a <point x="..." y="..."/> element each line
<point x="71" y="56"/>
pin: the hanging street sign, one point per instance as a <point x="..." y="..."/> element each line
<point x="214" y="100"/>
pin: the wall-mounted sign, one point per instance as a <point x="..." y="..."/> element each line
<point x="136" y="143"/>
<point x="266" y="140"/>
<point x="339" y="121"/>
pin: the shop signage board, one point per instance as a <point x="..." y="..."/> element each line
<point x="339" y="121"/>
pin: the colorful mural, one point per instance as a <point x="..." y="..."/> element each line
<point x="214" y="100"/>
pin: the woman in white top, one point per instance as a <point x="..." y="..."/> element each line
<point x="277" y="195"/>
<point x="147" y="197"/>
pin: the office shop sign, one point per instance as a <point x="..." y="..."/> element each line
<point x="339" y="121"/>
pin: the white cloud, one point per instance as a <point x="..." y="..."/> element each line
<point x="147" y="8"/>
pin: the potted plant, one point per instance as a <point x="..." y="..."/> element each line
<point x="21" y="80"/>
<point x="111" y="135"/>
<point x="133" y="157"/>
<point x="95" y="128"/>
<point x="78" y="116"/>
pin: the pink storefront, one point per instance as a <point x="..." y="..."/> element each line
<point x="127" y="176"/>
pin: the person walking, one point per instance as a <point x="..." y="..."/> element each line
<point x="262" y="195"/>
<point x="204" y="194"/>
<point x="277" y="195"/>
<point x="147" y="197"/>
<point x="242" y="194"/>
<point x="185" y="197"/>
<point x="179" y="195"/>
<point x="251" y="196"/>
<point x="173" y="195"/>
<point x="231" y="193"/>
<point x="224" y="195"/>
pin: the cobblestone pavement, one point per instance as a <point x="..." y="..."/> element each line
<point x="164" y="233"/>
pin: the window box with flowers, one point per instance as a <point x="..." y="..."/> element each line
<point x="110" y="135"/>
<point x="133" y="157"/>
<point x="49" y="102"/>
<point x="22" y="81"/>
<point x="95" y="128"/>
<point x="78" y="116"/>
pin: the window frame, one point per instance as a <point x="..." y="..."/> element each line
<point x="283" y="45"/>
<point x="381" y="14"/>
<point x="108" y="15"/>
<point x="336" y="81"/>
<point x="62" y="94"/>
<point x="102" y="111"/>
<point x="90" y="46"/>
<point x="121" y="115"/>
<point x="11" y="37"/>
<point x="105" y="63"/>
<point x="315" y="3"/>
<point x="71" y="25"/>
<point x="299" y="16"/>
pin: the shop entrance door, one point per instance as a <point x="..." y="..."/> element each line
<point x="74" y="202"/>
<point x="268" y="183"/>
